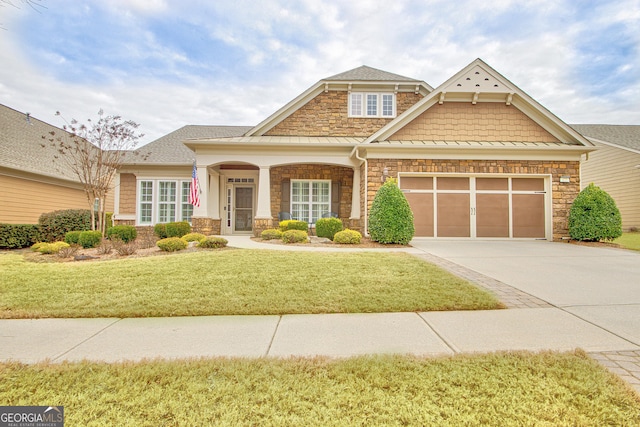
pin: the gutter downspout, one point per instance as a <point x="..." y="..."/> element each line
<point x="366" y="187"/>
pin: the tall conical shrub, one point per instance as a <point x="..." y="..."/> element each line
<point x="594" y="216"/>
<point x="390" y="218"/>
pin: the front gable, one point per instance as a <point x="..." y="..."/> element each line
<point x="463" y="121"/>
<point x="324" y="109"/>
<point x="479" y="104"/>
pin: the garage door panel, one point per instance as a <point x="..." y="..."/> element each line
<point x="492" y="215"/>
<point x="422" y="207"/>
<point x="454" y="215"/>
<point x="528" y="215"/>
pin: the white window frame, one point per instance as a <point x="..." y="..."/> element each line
<point x="179" y="205"/>
<point x="359" y="104"/>
<point x="310" y="203"/>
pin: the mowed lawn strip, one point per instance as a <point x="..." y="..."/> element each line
<point x="629" y="241"/>
<point x="511" y="389"/>
<point x="233" y="282"/>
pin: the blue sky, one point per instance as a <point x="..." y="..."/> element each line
<point x="166" y="63"/>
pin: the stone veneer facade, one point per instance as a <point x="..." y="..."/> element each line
<point x="563" y="194"/>
<point x="339" y="174"/>
<point x="327" y="115"/>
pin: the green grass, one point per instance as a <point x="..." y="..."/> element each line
<point x="232" y="282"/>
<point x="513" y="389"/>
<point x="629" y="241"/>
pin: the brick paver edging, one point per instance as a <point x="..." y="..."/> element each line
<point x="508" y="295"/>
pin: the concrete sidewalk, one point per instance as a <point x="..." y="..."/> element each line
<point x="333" y="335"/>
<point x="610" y="332"/>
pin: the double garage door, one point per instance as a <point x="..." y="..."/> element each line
<point x="477" y="207"/>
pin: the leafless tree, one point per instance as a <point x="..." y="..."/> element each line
<point x="34" y="4"/>
<point x="93" y="152"/>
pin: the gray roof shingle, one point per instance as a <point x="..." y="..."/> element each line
<point x="365" y="73"/>
<point x="627" y="136"/>
<point x="23" y="148"/>
<point x="170" y="149"/>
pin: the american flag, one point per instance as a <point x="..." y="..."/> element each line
<point x="194" y="188"/>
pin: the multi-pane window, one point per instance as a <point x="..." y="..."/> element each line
<point x="146" y="202"/>
<point x="372" y="104"/>
<point x="186" y="207"/>
<point x="167" y="201"/>
<point x="310" y="199"/>
<point x="162" y="201"/>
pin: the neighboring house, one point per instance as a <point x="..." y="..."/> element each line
<point x="615" y="167"/>
<point x="32" y="180"/>
<point x="476" y="157"/>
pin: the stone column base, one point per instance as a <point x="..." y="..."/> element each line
<point x="259" y="225"/>
<point x="206" y="226"/>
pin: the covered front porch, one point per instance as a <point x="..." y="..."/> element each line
<point x="245" y="191"/>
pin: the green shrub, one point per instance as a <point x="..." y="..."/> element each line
<point x="594" y="216"/>
<point x="160" y="230"/>
<point x="390" y="218"/>
<point x="172" y="244"/>
<point x="328" y="227"/>
<point x="15" y="236"/>
<point x="271" y="234"/>
<point x="293" y="224"/>
<point x="295" y="236"/>
<point x="72" y="237"/>
<point x="89" y="239"/>
<point x="348" y="237"/>
<point x="194" y="237"/>
<point x="36" y="246"/>
<point x="52" y="248"/>
<point x="126" y="233"/>
<point x="213" y="242"/>
<point x="172" y="229"/>
<point x="55" y="225"/>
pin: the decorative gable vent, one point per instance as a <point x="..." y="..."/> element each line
<point x="478" y="80"/>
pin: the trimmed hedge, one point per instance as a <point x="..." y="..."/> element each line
<point x="213" y="242"/>
<point x="72" y="237"/>
<point x="16" y="236"/>
<point x="90" y="239"/>
<point x="390" y="218"/>
<point x="55" y="225"/>
<point x="172" y="229"/>
<point x="293" y="224"/>
<point x="328" y="227"/>
<point x="172" y="244"/>
<point x="126" y="233"/>
<point x="271" y="234"/>
<point x="49" y="248"/>
<point x="594" y="216"/>
<point x="194" y="237"/>
<point x="348" y="237"/>
<point x="295" y="236"/>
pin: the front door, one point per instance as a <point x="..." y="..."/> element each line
<point x="242" y="209"/>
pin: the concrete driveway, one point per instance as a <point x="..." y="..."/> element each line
<point x="600" y="285"/>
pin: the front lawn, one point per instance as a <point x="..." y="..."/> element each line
<point x="629" y="241"/>
<point x="232" y="282"/>
<point x="513" y="389"/>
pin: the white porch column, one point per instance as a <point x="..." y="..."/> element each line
<point x="355" y="194"/>
<point x="203" y="178"/>
<point x="214" y="196"/>
<point x="263" y="210"/>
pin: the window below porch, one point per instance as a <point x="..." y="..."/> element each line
<point x="310" y="199"/>
<point x="161" y="201"/>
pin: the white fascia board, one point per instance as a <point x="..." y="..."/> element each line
<point x="570" y="153"/>
<point x="612" y="144"/>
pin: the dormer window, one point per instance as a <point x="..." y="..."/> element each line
<point x="365" y="104"/>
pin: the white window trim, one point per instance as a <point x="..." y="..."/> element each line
<point x="155" y="199"/>
<point x="310" y="202"/>
<point x="379" y="96"/>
